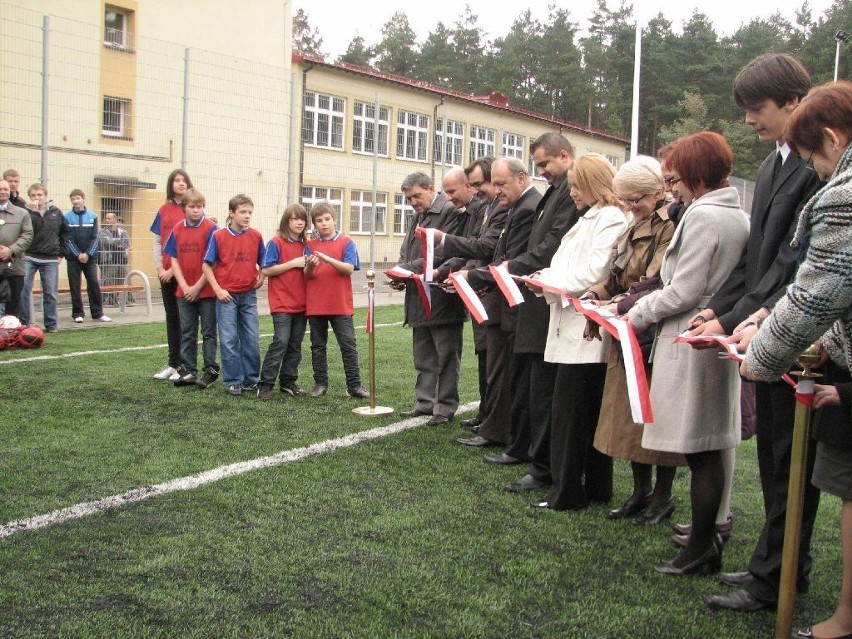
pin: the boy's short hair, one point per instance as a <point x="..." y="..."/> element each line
<point x="296" y="211"/>
<point x="37" y="186"/>
<point x="77" y="192"/>
<point x="321" y="208"/>
<point x="239" y="200"/>
<point x="10" y="173"/>
<point x="779" y="77"/>
<point x="193" y="196"/>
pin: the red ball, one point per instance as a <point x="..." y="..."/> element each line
<point x="30" y="337"/>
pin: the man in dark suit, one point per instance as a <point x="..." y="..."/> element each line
<point x="514" y="189"/>
<point x="475" y="249"/>
<point x="769" y="89"/>
<point x="553" y="155"/>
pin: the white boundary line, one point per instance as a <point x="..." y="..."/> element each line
<point x="126" y="349"/>
<point x="190" y="482"/>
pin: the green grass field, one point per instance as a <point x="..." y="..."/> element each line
<point x="409" y="535"/>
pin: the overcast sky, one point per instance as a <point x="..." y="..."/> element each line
<point x="338" y="20"/>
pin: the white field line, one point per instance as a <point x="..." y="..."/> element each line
<point x="126" y="349"/>
<point x="190" y="482"/>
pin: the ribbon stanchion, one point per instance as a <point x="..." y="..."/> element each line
<point x="372" y="410"/>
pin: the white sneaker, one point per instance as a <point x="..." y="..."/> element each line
<point x="174" y="376"/>
<point x="78" y="320"/>
<point x="166" y="373"/>
<point x="104" y="318"/>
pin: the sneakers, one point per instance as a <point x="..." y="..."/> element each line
<point x="166" y="373"/>
<point x="236" y="390"/>
<point x="319" y="390"/>
<point x="358" y="391"/>
<point x="102" y="318"/>
<point x="293" y="390"/>
<point x="185" y="378"/>
<point x="207" y="379"/>
<point x="264" y="393"/>
<point x="79" y="320"/>
<point x="248" y="387"/>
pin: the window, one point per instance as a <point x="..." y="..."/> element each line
<point x="116" y="118"/>
<point x="481" y="142"/>
<point x="449" y="137"/>
<point x="117" y="28"/>
<point x="322" y="120"/>
<point x="402" y="214"/>
<point x="363" y="129"/>
<point x="314" y="194"/>
<point x="534" y="172"/>
<point x="613" y="159"/>
<point x="411" y="132"/>
<point x="513" y="146"/>
<point x="361" y="212"/>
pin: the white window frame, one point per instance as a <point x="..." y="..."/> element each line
<point x="326" y="115"/>
<point x="117" y="37"/>
<point x="534" y="172"/>
<point x="402" y="214"/>
<point x="513" y="146"/>
<point x="311" y="195"/>
<point x="115" y="117"/>
<point x="482" y="142"/>
<point x="613" y="159"/>
<point x="412" y="136"/>
<point x="451" y="132"/>
<point x="363" y="125"/>
<point x="361" y="212"/>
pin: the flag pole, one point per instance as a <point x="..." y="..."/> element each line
<point x="372" y="410"/>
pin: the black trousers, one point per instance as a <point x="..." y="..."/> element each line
<point x="497" y="423"/>
<point x="173" y="332"/>
<point x="776" y="407"/>
<point x="532" y="408"/>
<point x="580" y="473"/>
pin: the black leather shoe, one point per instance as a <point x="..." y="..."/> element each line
<point x="470" y="423"/>
<point x="712" y="559"/>
<point x="633" y="505"/>
<point x="438" y="420"/>
<point x="735" y="579"/>
<point x="737" y="601"/>
<point x="527" y="482"/>
<point x="475" y="441"/>
<point x="502" y="458"/>
<point x="653" y="515"/>
<point x="414" y="412"/>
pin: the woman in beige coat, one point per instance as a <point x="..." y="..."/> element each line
<point x="694" y="394"/>
<point x="634" y="267"/>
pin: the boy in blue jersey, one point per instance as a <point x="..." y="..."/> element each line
<point x="83" y="258"/>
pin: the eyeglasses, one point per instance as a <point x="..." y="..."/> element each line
<point x="632" y="201"/>
<point x="809" y="164"/>
<point x="671" y="181"/>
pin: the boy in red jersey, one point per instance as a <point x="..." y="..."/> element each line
<point x="332" y="260"/>
<point x="284" y="264"/>
<point x="232" y="266"/>
<point x="196" y="300"/>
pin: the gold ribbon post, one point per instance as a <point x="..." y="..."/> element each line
<point x="372" y="410"/>
<point x="796" y="494"/>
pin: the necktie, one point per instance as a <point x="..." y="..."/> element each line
<point x="776" y="167"/>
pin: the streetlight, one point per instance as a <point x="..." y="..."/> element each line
<point x="840" y="36"/>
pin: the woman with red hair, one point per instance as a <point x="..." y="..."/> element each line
<point x="694" y="394"/>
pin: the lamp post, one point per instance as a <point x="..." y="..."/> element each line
<point x="844" y="37"/>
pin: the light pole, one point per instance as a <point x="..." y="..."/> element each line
<point x="840" y="36"/>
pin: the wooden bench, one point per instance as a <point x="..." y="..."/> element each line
<point x="127" y="287"/>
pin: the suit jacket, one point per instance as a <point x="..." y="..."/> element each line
<point x="446" y="308"/>
<point x="556" y="213"/>
<point x="512" y="242"/>
<point x="768" y="262"/>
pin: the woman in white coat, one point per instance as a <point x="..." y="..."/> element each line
<point x="580" y="473"/>
<point x="694" y="394"/>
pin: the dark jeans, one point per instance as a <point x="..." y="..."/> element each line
<point x="203" y="310"/>
<point x="16" y="287"/>
<point x="169" y="291"/>
<point x="285" y="352"/>
<point x="344" y="331"/>
<point x="90" y="271"/>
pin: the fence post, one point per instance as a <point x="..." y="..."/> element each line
<point x="45" y="94"/>
<point x="185" y="128"/>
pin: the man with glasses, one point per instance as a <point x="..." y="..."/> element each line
<point x="768" y="89"/>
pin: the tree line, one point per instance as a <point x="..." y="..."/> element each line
<point x="551" y="68"/>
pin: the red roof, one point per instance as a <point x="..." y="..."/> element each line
<point x="495" y="99"/>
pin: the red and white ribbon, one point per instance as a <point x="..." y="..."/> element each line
<point x="399" y="273"/>
<point x="427" y="245"/>
<point x="634" y="364"/>
<point x="537" y="283"/>
<point x="423" y="290"/>
<point x="469" y="297"/>
<point x="506" y="284"/>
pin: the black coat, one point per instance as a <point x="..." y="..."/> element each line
<point x="50" y="233"/>
<point x="768" y="262"/>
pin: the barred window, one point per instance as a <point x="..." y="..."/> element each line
<point x="402" y="214"/>
<point x="513" y="146"/>
<point x="361" y="212"/>
<point x="412" y="130"/>
<point x="322" y="120"/>
<point x="363" y="129"/>
<point x="481" y="142"/>
<point x="449" y="137"/>
<point x="116" y="118"/>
